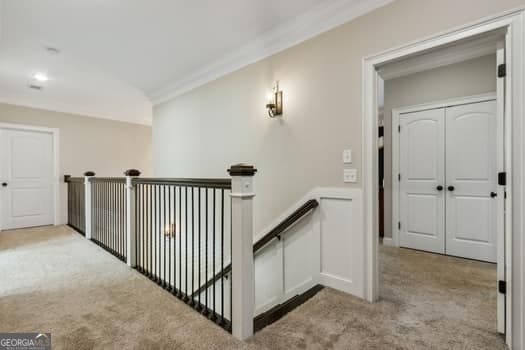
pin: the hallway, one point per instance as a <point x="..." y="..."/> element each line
<point x="60" y="283"/>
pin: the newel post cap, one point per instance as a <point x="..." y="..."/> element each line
<point x="242" y="170"/>
<point x="89" y="173"/>
<point x="132" y="172"/>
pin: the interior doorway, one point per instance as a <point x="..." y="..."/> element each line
<point x="440" y="156"/>
<point x="28" y="173"/>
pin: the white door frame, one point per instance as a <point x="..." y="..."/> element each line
<point x="55" y="133"/>
<point x="511" y="21"/>
<point x="396" y="112"/>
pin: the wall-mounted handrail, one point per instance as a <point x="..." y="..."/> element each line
<point x="267" y="238"/>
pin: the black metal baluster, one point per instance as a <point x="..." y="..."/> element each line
<point x="157" y="241"/>
<point x="104" y="213"/>
<point x="113" y="220"/>
<point x="122" y="219"/>
<point x="222" y="255"/>
<point x="138" y="218"/>
<point x="213" y="257"/>
<point x="199" y="247"/>
<point x="192" y="244"/>
<point x="170" y="234"/>
<point x="186" y="243"/>
<point x="164" y="187"/>
<point x="150" y="231"/>
<point x="143" y="225"/>
<point x="231" y="277"/>
<point x="206" y="258"/>
<point x="180" y="243"/>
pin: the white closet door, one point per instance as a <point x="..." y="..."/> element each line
<point x="471" y="137"/>
<point x="26" y="174"/>
<point x="422" y="207"/>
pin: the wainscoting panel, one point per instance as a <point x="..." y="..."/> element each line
<point x="325" y="247"/>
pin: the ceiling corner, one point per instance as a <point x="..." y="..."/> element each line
<point x="322" y="18"/>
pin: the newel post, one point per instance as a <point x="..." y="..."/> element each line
<point x="87" y="202"/>
<point x="243" y="275"/>
<point x="130" y="216"/>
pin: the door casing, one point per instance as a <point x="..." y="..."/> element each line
<point x="512" y="21"/>
<point x="55" y="133"/>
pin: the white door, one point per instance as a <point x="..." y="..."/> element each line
<point x="471" y="179"/>
<point x="26" y="176"/>
<point x="422" y="208"/>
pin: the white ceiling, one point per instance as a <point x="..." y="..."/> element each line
<point x="117" y="56"/>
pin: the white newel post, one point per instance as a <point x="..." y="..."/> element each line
<point x="87" y="202"/>
<point x="243" y="275"/>
<point x="130" y="216"/>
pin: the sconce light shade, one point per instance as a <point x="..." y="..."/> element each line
<point x="275" y="107"/>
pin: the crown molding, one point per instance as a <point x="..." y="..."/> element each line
<point x="450" y="55"/>
<point x="322" y="18"/>
<point x="49" y="107"/>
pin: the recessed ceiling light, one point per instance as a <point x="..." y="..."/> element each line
<point x="40" y="77"/>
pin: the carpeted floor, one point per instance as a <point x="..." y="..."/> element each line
<point x="53" y="280"/>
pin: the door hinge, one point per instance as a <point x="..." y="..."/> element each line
<point x="399" y="128"/>
<point x="399" y="176"/>
<point x="399" y="225"/>
<point x="502" y="70"/>
<point x="502" y="179"/>
<point x="502" y="287"/>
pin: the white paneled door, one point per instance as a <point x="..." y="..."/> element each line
<point x="448" y="180"/>
<point x="471" y="206"/>
<point x="422" y="163"/>
<point x="26" y="176"/>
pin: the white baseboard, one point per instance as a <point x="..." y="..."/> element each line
<point x="389" y="242"/>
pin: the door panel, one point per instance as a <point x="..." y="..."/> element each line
<point x="471" y="169"/>
<point x="26" y="166"/>
<point x="421" y="160"/>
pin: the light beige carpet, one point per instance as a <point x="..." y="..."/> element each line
<point x="53" y="280"/>
<point x="428" y="302"/>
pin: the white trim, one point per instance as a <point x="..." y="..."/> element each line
<point x="513" y="22"/>
<point x="396" y="113"/>
<point x="323" y="17"/>
<point x="450" y="55"/>
<point x="500" y="220"/>
<point x="56" y="161"/>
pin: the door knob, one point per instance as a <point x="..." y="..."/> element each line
<point x="451" y="188"/>
<point x="493" y="194"/>
<point x="4" y="184"/>
<point x="439" y="188"/>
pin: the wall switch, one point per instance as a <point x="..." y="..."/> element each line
<point x="350" y="175"/>
<point x="347" y="156"/>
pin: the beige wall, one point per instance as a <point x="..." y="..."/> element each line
<point x="86" y="143"/>
<point x="204" y="131"/>
<point x="467" y="78"/>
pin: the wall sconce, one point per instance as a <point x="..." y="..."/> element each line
<point x="275" y="103"/>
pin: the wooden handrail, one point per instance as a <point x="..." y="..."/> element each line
<point x="205" y="183"/>
<point x="267" y="238"/>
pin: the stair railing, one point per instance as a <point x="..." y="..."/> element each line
<point x="180" y="233"/>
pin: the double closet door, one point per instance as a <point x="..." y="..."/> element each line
<point x="448" y="180"/>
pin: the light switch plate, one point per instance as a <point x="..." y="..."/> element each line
<point x="350" y="175"/>
<point x="347" y="156"/>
